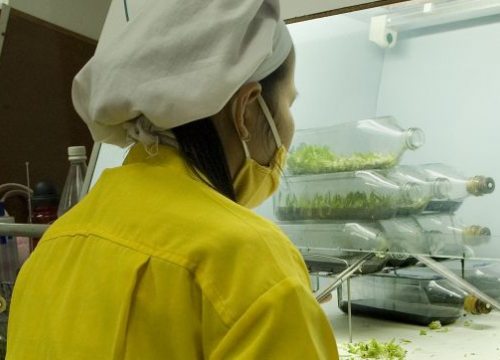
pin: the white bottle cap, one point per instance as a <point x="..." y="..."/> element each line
<point x="77" y="152"/>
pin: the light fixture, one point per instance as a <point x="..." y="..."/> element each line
<point x="420" y="14"/>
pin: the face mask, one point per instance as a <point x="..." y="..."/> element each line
<point x="255" y="183"/>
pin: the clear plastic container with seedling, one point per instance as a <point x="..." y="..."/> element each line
<point x="377" y="143"/>
<point x="409" y="295"/>
<point x="343" y="196"/>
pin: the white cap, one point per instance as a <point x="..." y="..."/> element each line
<point x="77" y="152"/>
<point x="177" y="61"/>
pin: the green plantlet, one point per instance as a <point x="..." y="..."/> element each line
<point x="377" y="350"/>
<point x="434" y="325"/>
<point x="327" y="206"/>
<point x="317" y="159"/>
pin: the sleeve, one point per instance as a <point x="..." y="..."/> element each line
<point x="284" y="323"/>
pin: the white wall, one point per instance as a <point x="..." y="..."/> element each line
<point x="447" y="83"/>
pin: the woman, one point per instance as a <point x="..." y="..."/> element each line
<point x="163" y="259"/>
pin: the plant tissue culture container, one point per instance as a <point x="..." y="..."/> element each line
<point x="484" y="275"/>
<point x="440" y="236"/>
<point x="448" y="236"/>
<point x="328" y="246"/>
<point x="437" y="188"/>
<point x="409" y="296"/>
<point x="342" y="196"/>
<point x="455" y="186"/>
<point x="376" y="143"/>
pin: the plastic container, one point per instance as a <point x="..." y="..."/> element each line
<point x="343" y="196"/>
<point x="331" y="247"/>
<point x="440" y="235"/>
<point x="483" y="275"/>
<point x="9" y="259"/>
<point x="44" y="206"/>
<point x="457" y="188"/>
<point x="409" y="297"/>
<point x="376" y="143"/>
<point x="74" y="181"/>
<point x="448" y="229"/>
<point x="436" y="188"/>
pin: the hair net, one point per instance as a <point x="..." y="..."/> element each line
<point x="177" y="61"/>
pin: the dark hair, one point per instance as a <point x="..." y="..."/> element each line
<point x="200" y="145"/>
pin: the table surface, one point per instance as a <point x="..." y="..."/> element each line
<point x="471" y="336"/>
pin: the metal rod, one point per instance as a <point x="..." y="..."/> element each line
<point x="28" y="230"/>
<point x="349" y="309"/>
<point x="28" y="184"/>
<point x="323" y="294"/>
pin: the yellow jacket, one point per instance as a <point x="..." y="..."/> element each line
<point x="154" y="264"/>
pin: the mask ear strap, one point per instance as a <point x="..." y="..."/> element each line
<point x="245" y="148"/>
<point x="270" y="120"/>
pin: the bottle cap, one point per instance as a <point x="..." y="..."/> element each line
<point x="476" y="235"/>
<point x="77" y="152"/>
<point x="475" y="306"/>
<point x="45" y="194"/>
<point x="480" y="185"/>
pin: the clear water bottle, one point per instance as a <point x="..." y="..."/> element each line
<point x="368" y="144"/>
<point x="44" y="205"/>
<point x="455" y="187"/>
<point x="74" y="181"/>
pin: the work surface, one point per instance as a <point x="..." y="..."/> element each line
<point x="471" y="336"/>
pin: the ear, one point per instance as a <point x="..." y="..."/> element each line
<point x="245" y="96"/>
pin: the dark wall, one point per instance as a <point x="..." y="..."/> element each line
<point x="37" y="118"/>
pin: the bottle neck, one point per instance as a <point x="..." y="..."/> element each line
<point x="441" y="188"/>
<point x="414" y="138"/>
<point x="412" y="193"/>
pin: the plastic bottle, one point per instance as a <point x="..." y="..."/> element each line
<point x="376" y="143"/>
<point x="439" y="235"/>
<point x="435" y="188"/>
<point x="447" y="228"/>
<point x="9" y="257"/>
<point x="44" y="205"/>
<point x="329" y="246"/>
<point x="483" y="275"/>
<point x="456" y="188"/>
<point x="343" y="196"/>
<point x="409" y="295"/>
<point x="74" y="181"/>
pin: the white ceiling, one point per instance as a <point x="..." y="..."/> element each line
<point x="86" y="17"/>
